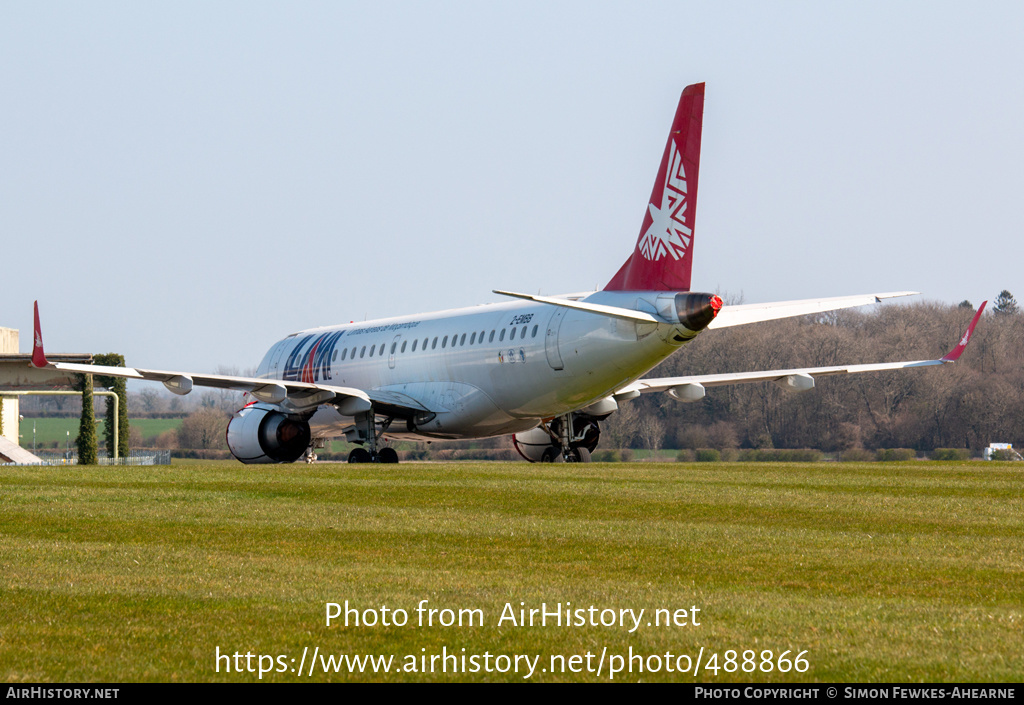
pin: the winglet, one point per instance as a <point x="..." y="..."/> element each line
<point x="38" y="356"/>
<point x="954" y="354"/>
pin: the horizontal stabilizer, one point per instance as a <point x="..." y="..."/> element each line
<point x="600" y="309"/>
<point x="754" y="313"/>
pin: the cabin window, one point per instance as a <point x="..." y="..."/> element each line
<point x="472" y="338"/>
<point x="444" y="341"/>
<point x="414" y="343"/>
<point x="344" y="354"/>
<point x="393" y="347"/>
<point x="334" y="357"/>
<point x="381" y="349"/>
<point x="481" y="336"/>
<point x="534" y="334"/>
<point x="462" y="340"/>
<point x="362" y="352"/>
<point x="372" y="347"/>
<point x="434" y="344"/>
<point x="403" y="345"/>
<point x="491" y="338"/>
<point x="501" y="337"/>
<point x="425" y="341"/>
<point x="512" y="334"/>
<point x="522" y="332"/>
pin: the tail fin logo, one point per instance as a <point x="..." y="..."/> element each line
<point x="668" y="233"/>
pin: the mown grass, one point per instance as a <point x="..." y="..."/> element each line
<point x="882" y="572"/>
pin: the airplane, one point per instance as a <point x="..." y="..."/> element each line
<point x="544" y="369"/>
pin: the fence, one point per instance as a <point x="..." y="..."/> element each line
<point x="135" y="457"/>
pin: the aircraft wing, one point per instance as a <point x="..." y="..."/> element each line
<point x="691" y="388"/>
<point x="298" y="395"/>
<point x="753" y="313"/>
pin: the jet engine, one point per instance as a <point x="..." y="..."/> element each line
<point x="259" y="433"/>
<point x="534" y="443"/>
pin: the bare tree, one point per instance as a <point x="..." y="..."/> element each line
<point x="151" y="400"/>
<point x="203" y="429"/>
<point x="651" y="430"/>
<point x="621" y="427"/>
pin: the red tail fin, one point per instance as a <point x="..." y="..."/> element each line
<point x="38" y="356"/>
<point x="664" y="251"/>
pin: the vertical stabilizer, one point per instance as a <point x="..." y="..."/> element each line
<point x="663" y="255"/>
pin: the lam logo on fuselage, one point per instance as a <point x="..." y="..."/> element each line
<point x="310" y="359"/>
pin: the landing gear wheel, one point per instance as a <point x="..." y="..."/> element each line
<point x="579" y="455"/>
<point x="552" y="455"/>
<point x="360" y="455"/>
<point x="387" y="455"/>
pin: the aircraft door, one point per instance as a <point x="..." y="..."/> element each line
<point x="395" y="344"/>
<point x="275" y="359"/>
<point x="551" y="338"/>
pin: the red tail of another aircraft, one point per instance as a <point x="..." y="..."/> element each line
<point x="663" y="255"/>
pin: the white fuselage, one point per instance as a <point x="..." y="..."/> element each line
<point x="483" y="371"/>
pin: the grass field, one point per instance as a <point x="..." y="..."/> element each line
<point x="64" y="431"/>
<point x="881" y="572"/>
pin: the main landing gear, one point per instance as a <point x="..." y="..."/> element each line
<point x="573" y="455"/>
<point x="366" y="425"/>
<point x="384" y="455"/>
<point x="568" y="443"/>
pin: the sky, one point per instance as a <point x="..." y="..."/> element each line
<point x="186" y="183"/>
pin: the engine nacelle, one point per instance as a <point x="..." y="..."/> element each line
<point x="259" y="433"/>
<point x="532" y="444"/>
<point x="696" y="311"/>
